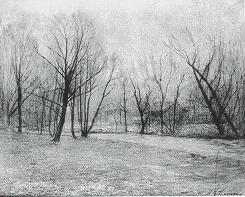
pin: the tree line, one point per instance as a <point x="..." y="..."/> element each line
<point x="66" y="65"/>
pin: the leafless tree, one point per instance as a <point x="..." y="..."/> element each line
<point x="70" y="38"/>
<point x="124" y="107"/>
<point x="216" y="80"/>
<point x="166" y="107"/>
<point x="20" y="61"/>
<point x="87" y="118"/>
<point x="123" y="100"/>
<point x="162" y="88"/>
<point x="142" y="99"/>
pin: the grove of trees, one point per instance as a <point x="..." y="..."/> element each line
<point x="62" y="71"/>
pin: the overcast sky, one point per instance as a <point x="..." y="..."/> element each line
<point x="120" y="20"/>
<point x="136" y="27"/>
<point x="51" y="6"/>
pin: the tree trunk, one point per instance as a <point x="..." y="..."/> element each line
<point x="220" y="129"/>
<point x="243" y="111"/>
<point x="143" y="124"/>
<point x="231" y="124"/>
<point x="84" y="134"/>
<point x="80" y="112"/>
<point x="62" y="116"/>
<point x="174" y="116"/>
<point x="7" y="115"/>
<point x="43" y="113"/>
<point x="19" y="109"/>
<point x="50" y="110"/>
<point x="85" y="119"/>
<point x="115" y="119"/>
<point x="125" y="121"/>
<point x="7" y="120"/>
<point x="72" y="117"/>
<point x="50" y="119"/>
<point x="161" y="122"/>
<point x="57" y="110"/>
<point x="125" y="110"/>
<point x="120" y="116"/>
<point x="142" y="130"/>
<point x="61" y="123"/>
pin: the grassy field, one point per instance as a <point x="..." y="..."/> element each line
<point x="119" y="164"/>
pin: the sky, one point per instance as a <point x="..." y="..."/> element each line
<point x="135" y="28"/>
<point x="120" y="21"/>
<point x="51" y="6"/>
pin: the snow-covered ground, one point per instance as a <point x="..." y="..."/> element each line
<point x="119" y="164"/>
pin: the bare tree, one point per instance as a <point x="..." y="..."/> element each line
<point x="20" y="60"/>
<point x="162" y="88"/>
<point x="216" y="80"/>
<point x="175" y="121"/>
<point x="70" y="39"/>
<point x="124" y="107"/>
<point x="142" y="99"/>
<point x="86" y="119"/>
<point x="123" y="102"/>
